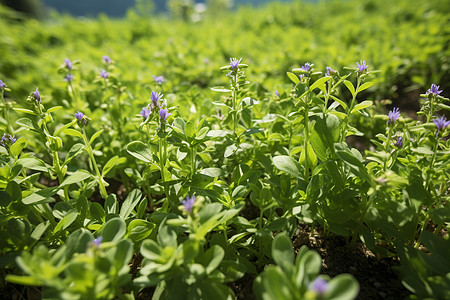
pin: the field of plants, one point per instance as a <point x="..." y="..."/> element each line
<point x="289" y="151"/>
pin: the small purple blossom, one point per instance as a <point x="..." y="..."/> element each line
<point x="399" y="142"/>
<point x="362" y="67"/>
<point x="106" y="59"/>
<point x="234" y="63"/>
<point x="97" y="241"/>
<point x="2" y="85"/>
<point x="434" y="90"/>
<point x="164" y="114"/>
<point x="104" y="74"/>
<point x="306" y="67"/>
<point x="37" y="96"/>
<point x="68" y="78"/>
<point x="7" y="140"/>
<point x="68" y="64"/>
<point x="319" y="285"/>
<point x="441" y="123"/>
<point x="330" y="71"/>
<point x="188" y="203"/>
<point x="156" y="97"/>
<point x="393" y="115"/>
<point x="145" y="112"/>
<point x="277" y="94"/>
<point x="79" y="116"/>
<point x="159" y="79"/>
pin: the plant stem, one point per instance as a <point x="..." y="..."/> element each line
<point x="101" y="185"/>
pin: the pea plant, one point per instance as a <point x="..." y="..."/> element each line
<point x="205" y="200"/>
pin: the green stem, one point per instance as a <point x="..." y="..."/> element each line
<point x="352" y="105"/>
<point x="101" y="185"/>
<point x="386" y="148"/>
<point x="5" y="111"/>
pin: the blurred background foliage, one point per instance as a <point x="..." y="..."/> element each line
<point x="407" y="40"/>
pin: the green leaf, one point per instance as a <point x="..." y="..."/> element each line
<point x="73" y="132"/>
<point x="130" y="202"/>
<point x="24" y="280"/>
<point x="350" y="87"/>
<point x="111" y="204"/>
<point x="212" y="258"/>
<point x="211" y="172"/>
<point x="54" y="108"/>
<point x="283" y="252"/>
<point x="230" y="150"/>
<point x="342" y="287"/>
<point x="74" y="151"/>
<point x="113" y="230"/>
<point x="289" y="165"/>
<point x="76" y="177"/>
<point x="94" y="136"/>
<point x="294" y="78"/>
<point x="319" y="82"/>
<point x="220" y="89"/>
<point x="110" y="165"/>
<point x="18" y="146"/>
<point x="28" y="123"/>
<point x="139" y="229"/>
<point x="33" y="163"/>
<point x="66" y="221"/>
<point x="365" y="86"/>
<point x="140" y="151"/>
<point x="361" y="105"/>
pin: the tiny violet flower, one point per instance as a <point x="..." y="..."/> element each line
<point x="156" y="97"/>
<point x="393" y="115"/>
<point x="37" y="96"/>
<point x="159" y="79"/>
<point x="306" y="67"/>
<point x="97" y="241"/>
<point x="188" y="203"/>
<point x="434" y="90"/>
<point x="234" y="63"/>
<point x="399" y="142"/>
<point x="164" y="114"/>
<point x="145" y="112"/>
<point x="441" y="123"/>
<point x="104" y="74"/>
<point x="362" y="67"/>
<point x="68" y="78"/>
<point x="330" y="71"/>
<point x="81" y="119"/>
<point x="68" y="64"/>
<point x="277" y="94"/>
<point x="2" y="85"/>
<point x="319" y="285"/>
<point x="106" y="59"/>
<point x="7" y="140"/>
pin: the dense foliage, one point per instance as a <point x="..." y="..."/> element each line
<point x="146" y="153"/>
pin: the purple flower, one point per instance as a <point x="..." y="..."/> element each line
<point x="37" y="97"/>
<point x="106" y="59"/>
<point x="330" y="71"/>
<point x="441" y="123"/>
<point x="234" y="63"/>
<point x="434" y="90"/>
<point x="277" y="94"/>
<point x="399" y="142"/>
<point x="68" y="63"/>
<point x="79" y="116"/>
<point x="159" y="79"/>
<point x="362" y="67"/>
<point x="306" y="67"/>
<point x="104" y="74"/>
<point x="188" y="203"/>
<point x="319" y="285"/>
<point x="2" y="84"/>
<point x="68" y="78"/>
<point x="145" y="112"/>
<point x="164" y="114"/>
<point x="393" y="115"/>
<point x="97" y="241"/>
<point x="82" y="120"/>
<point x="7" y="140"/>
<point x="156" y="97"/>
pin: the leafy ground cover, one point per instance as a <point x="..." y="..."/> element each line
<point x="145" y="158"/>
